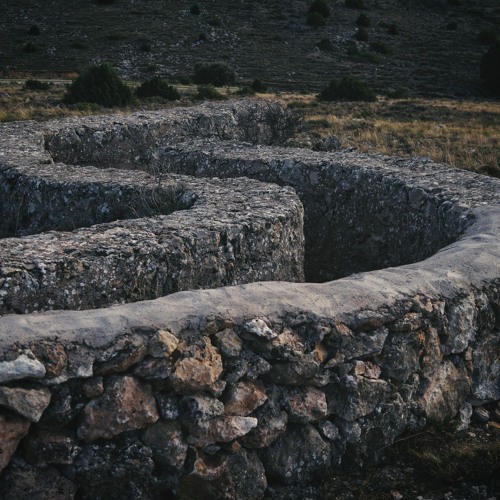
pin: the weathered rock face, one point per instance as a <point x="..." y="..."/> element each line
<point x="218" y="393"/>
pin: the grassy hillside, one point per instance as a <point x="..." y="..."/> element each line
<point x="431" y="47"/>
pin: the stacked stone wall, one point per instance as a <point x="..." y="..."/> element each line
<point x="220" y="393"/>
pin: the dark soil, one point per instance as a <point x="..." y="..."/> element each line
<point x="436" y="50"/>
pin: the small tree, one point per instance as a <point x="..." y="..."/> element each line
<point x="217" y="74"/>
<point x="99" y="84"/>
<point x="321" y="7"/>
<point x="490" y="69"/>
<point x="350" y="88"/>
<point x="158" y="87"/>
<point x="315" y="19"/>
<point x="363" y="21"/>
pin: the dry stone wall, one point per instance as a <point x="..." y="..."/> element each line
<point x="219" y="393"/>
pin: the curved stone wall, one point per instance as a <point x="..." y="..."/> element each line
<point x="218" y="393"/>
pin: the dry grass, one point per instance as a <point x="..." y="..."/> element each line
<point x="465" y="134"/>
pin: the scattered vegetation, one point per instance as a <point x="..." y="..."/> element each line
<point x="381" y="47"/>
<point x="363" y="21"/>
<point x="325" y="45"/>
<point x="399" y="93"/>
<point x="34" y="30"/>
<point x="37" y="85"/>
<point x="355" y="4"/>
<point x="208" y="92"/>
<point x="362" y="34"/>
<point x="158" y="87"/>
<point x="490" y="69"/>
<point x="246" y="90"/>
<point x="321" y="7"/>
<point x="195" y="10"/>
<point x="258" y="85"/>
<point x="315" y="19"/>
<point x="30" y="47"/>
<point x="350" y="88"/>
<point x="100" y="84"/>
<point x="145" y="46"/>
<point x="216" y="73"/>
<point x="78" y="45"/>
<point x="393" y="29"/>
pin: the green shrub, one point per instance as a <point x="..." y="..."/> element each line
<point x="34" y="30"/>
<point x="105" y="1"/>
<point x="215" y="22"/>
<point x="325" y="45"/>
<point x="258" y="86"/>
<point x="363" y="21"/>
<point x="381" y="47"/>
<point x="454" y="3"/>
<point x="490" y="69"/>
<point x="99" y="84"/>
<point x="399" y="93"/>
<point x="393" y="29"/>
<point x="29" y="47"/>
<point x="362" y="34"/>
<point x="157" y="87"/>
<point x="208" y="92"/>
<point x="321" y="7"/>
<point x="452" y="25"/>
<point x="245" y="90"/>
<point x="202" y="37"/>
<point x="350" y="88"/>
<point x="488" y="36"/>
<point x="145" y="46"/>
<point x="195" y="10"/>
<point x="355" y="4"/>
<point x="32" y="84"/>
<point x="78" y="45"/>
<point x="217" y="74"/>
<point x="315" y="19"/>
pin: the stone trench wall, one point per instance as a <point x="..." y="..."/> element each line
<point x="219" y="393"/>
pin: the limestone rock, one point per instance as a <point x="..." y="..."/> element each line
<point x="163" y="344"/>
<point x="120" y="357"/>
<point x="244" y="398"/>
<point x="443" y="393"/>
<point x="29" y="403"/>
<point x="329" y="143"/>
<point x="236" y="476"/>
<point x="356" y="345"/>
<point x="12" y="430"/>
<point x="223" y="430"/>
<point x="199" y="411"/>
<point x="297" y="455"/>
<point x="229" y="343"/>
<point x="21" y="368"/>
<point x="258" y="329"/>
<point x="294" y="372"/>
<point x="461" y="325"/>
<point x="168" y="405"/>
<point x="401" y="354"/>
<point x="53" y="356"/>
<point x="486" y="372"/>
<point x="45" y="447"/>
<point x="93" y="387"/>
<point x="167" y="443"/>
<point x="355" y="397"/>
<point x="199" y="368"/>
<point x="154" y="368"/>
<point x="126" y="404"/>
<point x="305" y="404"/>
<point x="367" y="369"/>
<point x="328" y="430"/>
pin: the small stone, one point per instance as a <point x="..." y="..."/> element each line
<point x="167" y="443"/>
<point x="305" y="404"/>
<point x="168" y="405"/>
<point x="294" y="372"/>
<point x="244" y="398"/>
<point x="258" y="328"/>
<point x="127" y="404"/>
<point x="217" y="388"/>
<point x="93" y="387"/>
<point x="21" y="368"/>
<point x="12" y="430"/>
<point x="163" y="344"/>
<point x="198" y="411"/>
<point x="224" y="430"/>
<point x="45" y="447"/>
<point x="328" y="430"/>
<point x="481" y="414"/>
<point x="199" y="368"/>
<point x="228" y="343"/>
<point x="367" y="369"/>
<point x="29" y="403"/>
<point x="154" y="368"/>
<point x="121" y="357"/>
<point x="54" y="357"/>
<point x="408" y="323"/>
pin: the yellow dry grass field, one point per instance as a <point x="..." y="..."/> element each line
<point x="462" y="133"/>
<point x="465" y="134"/>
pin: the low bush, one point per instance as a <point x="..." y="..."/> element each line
<point x="145" y="46"/>
<point x="325" y="45"/>
<point x="32" y="84"/>
<point x="245" y="90"/>
<point x="490" y="69"/>
<point x="363" y="21"/>
<point x="488" y="36"/>
<point x="208" y="92"/>
<point x="158" y="87"/>
<point x="78" y="45"/>
<point x="393" y="29"/>
<point x="258" y="86"/>
<point x="30" y="47"/>
<point x="381" y="47"/>
<point x="452" y="25"/>
<point x="355" y="4"/>
<point x="321" y="7"/>
<point x="399" y="93"/>
<point x="105" y="1"/>
<point x="195" y="10"/>
<point x="99" y="84"/>
<point x="350" y="88"/>
<point x="362" y="34"/>
<point x="315" y="19"/>
<point x="202" y="37"/>
<point x="34" y="30"/>
<point x="216" y="73"/>
<point x="215" y="22"/>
